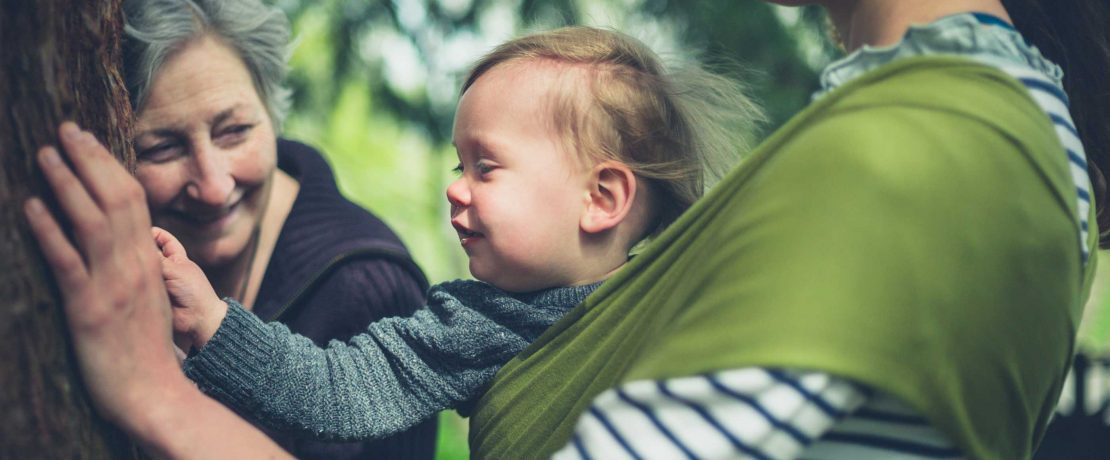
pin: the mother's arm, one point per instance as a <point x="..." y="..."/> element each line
<point x="118" y="311"/>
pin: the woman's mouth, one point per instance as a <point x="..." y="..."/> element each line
<point x="209" y="221"/>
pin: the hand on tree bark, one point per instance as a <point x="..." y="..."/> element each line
<point x="197" y="310"/>
<point x="119" y="313"/>
<point x="115" y="301"/>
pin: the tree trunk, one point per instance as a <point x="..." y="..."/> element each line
<point x="59" y="60"/>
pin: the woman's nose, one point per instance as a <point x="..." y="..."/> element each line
<point x="458" y="195"/>
<point x="211" y="182"/>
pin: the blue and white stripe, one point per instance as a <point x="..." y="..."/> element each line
<point x="883" y="428"/>
<point x="752" y="413"/>
<point x="991" y="41"/>
<point x="1052" y="99"/>
<point x="1050" y="96"/>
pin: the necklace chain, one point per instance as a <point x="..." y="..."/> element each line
<point x="250" y="264"/>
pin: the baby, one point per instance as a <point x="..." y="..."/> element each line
<point x="574" y="145"/>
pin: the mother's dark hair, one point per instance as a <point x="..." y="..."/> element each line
<point x="1076" y="35"/>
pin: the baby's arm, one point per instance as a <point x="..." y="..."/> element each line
<point x="398" y="373"/>
<point x="197" y="310"/>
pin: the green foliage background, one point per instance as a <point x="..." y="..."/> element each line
<point x="386" y="126"/>
<point x="376" y="82"/>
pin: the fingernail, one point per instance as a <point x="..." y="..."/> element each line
<point x="34" y="206"/>
<point x="70" y="131"/>
<point x="50" y="157"/>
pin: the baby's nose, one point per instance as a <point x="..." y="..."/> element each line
<point x="458" y="195"/>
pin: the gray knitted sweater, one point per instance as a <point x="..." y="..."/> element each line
<point x="401" y="371"/>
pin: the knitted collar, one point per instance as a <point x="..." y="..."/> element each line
<point x="557" y="297"/>
<point x="975" y="35"/>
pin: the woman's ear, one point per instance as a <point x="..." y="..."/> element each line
<point x="611" y="194"/>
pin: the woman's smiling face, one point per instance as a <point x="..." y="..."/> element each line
<point x="206" y="151"/>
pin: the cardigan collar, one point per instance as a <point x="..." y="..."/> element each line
<point x="321" y="227"/>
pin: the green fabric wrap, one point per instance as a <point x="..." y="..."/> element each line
<point x="914" y="231"/>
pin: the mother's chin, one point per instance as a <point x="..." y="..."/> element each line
<point x="213" y="240"/>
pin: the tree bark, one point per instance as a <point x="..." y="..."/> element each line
<point x="59" y="60"/>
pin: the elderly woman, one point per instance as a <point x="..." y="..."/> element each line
<point x="261" y="215"/>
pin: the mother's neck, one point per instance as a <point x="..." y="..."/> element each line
<point x="242" y="277"/>
<point x="884" y="22"/>
<point x="228" y="279"/>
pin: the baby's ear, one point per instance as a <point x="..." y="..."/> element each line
<point x="610" y="197"/>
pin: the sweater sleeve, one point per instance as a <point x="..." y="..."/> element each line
<point x="398" y="373"/>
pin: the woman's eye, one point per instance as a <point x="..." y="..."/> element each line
<point x="159" y="153"/>
<point x="234" y="133"/>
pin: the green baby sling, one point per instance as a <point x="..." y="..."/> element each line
<point x="913" y="231"/>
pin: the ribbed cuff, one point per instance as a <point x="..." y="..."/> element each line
<point x="235" y="360"/>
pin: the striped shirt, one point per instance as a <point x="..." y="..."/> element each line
<point x="765" y="413"/>
<point x="753" y="413"/>
<point x="1052" y="99"/>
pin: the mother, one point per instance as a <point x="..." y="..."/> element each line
<point x="261" y="215"/>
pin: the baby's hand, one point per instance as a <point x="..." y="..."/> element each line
<point x="197" y="310"/>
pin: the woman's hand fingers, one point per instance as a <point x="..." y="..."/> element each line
<point x="101" y="173"/>
<point x="91" y="226"/>
<point x="117" y="193"/>
<point x="67" y="264"/>
<point x="115" y="299"/>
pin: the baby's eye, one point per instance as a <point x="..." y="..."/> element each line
<point x="458" y="169"/>
<point x="483" y="167"/>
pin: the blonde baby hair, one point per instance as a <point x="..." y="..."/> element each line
<point x="679" y="127"/>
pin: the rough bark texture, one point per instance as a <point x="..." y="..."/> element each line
<point x="59" y="60"/>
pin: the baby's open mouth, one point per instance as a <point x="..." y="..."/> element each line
<point x="464" y="233"/>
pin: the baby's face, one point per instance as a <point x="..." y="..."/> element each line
<point x="519" y="199"/>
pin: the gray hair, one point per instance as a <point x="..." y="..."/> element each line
<point x="259" y="34"/>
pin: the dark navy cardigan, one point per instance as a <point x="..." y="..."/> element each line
<point x="335" y="269"/>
